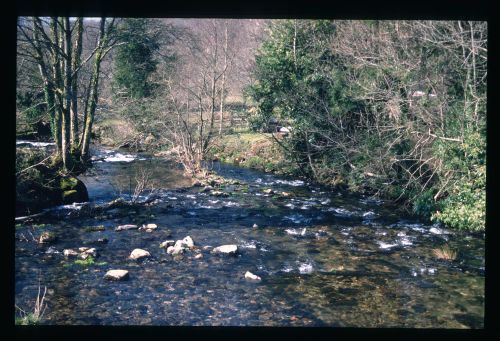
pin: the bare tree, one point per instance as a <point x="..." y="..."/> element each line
<point x="55" y="46"/>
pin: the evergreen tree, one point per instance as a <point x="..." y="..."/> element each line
<point x="135" y="59"/>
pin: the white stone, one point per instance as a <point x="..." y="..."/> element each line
<point x="70" y="253"/>
<point x="148" y="227"/>
<point x="116" y="275"/>
<point x="139" y="253"/>
<point x="268" y="191"/>
<point x="88" y="252"/>
<point x="255" y="226"/>
<point x="198" y="256"/>
<point x="188" y="242"/>
<point x="126" y="227"/>
<point x="226" y="249"/>
<point x="167" y="243"/>
<point x="176" y="249"/>
<point x="251" y="276"/>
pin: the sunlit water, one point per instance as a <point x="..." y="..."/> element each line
<point x="326" y="258"/>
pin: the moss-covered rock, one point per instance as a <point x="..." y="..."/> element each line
<point x="73" y="190"/>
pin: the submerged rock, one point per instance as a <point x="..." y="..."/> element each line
<point x="116" y="275"/>
<point x="250" y="276"/>
<point x="139" y="254"/>
<point x="230" y="249"/>
<point x="52" y="250"/>
<point x="126" y="227"/>
<point x="220" y="194"/>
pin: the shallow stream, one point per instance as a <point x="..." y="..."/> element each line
<point x="326" y="258"/>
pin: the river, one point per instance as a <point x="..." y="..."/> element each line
<point x="325" y="257"/>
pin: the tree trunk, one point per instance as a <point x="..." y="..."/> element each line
<point x="48" y="87"/>
<point x="74" y="85"/>
<point x="223" y="82"/>
<point x="93" y="97"/>
<point x="67" y="96"/>
<point x="56" y="67"/>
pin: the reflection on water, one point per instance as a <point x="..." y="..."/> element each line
<point x="325" y="258"/>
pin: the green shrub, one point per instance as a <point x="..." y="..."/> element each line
<point x="464" y="207"/>
<point x="423" y="204"/>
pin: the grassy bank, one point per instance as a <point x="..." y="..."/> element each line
<point x="253" y="150"/>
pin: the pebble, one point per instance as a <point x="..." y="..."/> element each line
<point x="139" y="253"/>
<point x="116" y="275"/>
<point x="70" y="253"/>
<point x="167" y="243"/>
<point x="251" y="276"/>
<point x="226" y="249"/>
<point x="126" y="227"/>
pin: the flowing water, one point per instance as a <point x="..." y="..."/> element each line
<point x="326" y="258"/>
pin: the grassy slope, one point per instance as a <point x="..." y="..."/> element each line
<point x="252" y="150"/>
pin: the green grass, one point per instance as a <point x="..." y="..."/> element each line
<point x="86" y="262"/>
<point x="27" y="320"/>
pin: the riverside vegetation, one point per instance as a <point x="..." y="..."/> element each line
<point x="392" y="108"/>
<point x="386" y="110"/>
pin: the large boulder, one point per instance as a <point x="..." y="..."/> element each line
<point x="73" y="190"/>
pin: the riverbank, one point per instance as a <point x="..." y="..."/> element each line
<point x="457" y="209"/>
<point x="40" y="183"/>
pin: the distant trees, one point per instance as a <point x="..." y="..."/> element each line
<point x="395" y="106"/>
<point x="196" y="89"/>
<point x="54" y="46"/>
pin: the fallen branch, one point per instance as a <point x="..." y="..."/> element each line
<point x="37" y="164"/>
<point x="18" y="219"/>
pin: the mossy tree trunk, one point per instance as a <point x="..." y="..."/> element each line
<point x="66" y="107"/>
<point x="77" y="53"/>
<point x="56" y="71"/>
<point x="103" y="47"/>
<point x="55" y="45"/>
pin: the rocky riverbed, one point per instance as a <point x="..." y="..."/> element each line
<point x="250" y="250"/>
